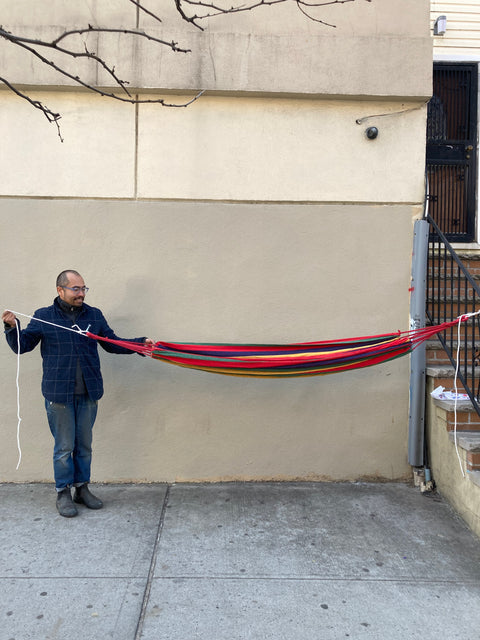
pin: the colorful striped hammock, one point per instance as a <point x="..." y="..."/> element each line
<point x="288" y="360"/>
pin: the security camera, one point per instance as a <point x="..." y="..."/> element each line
<point x="371" y="133"/>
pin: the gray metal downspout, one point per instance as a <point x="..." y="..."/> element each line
<point x="416" y="419"/>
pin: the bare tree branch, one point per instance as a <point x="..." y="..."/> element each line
<point x="91" y="55"/>
<point x="29" y="44"/>
<point x="191" y="11"/>
<point x="140" y="6"/>
<point x="212" y="9"/>
<point x="48" y="113"/>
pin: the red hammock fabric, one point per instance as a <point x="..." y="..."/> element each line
<point x="288" y="360"/>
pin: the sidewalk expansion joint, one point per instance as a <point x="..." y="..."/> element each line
<point x="151" y="571"/>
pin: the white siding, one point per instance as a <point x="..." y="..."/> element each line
<point x="463" y="27"/>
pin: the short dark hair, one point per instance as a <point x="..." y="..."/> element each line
<point x="62" y="278"/>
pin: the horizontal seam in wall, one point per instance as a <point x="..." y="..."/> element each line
<point x="366" y="203"/>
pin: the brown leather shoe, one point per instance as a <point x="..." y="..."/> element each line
<point x="83" y="495"/>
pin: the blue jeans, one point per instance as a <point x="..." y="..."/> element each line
<point x="71" y="425"/>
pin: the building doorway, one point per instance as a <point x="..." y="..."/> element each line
<point x="452" y="150"/>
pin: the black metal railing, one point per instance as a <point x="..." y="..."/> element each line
<point x="452" y="292"/>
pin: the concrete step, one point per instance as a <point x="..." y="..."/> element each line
<point x="470" y="261"/>
<point x="448" y="308"/>
<point x="455" y="275"/>
<point x="445" y="376"/>
<point x="470" y="442"/>
<point x="447" y="280"/>
<point x="457" y="296"/>
<point x="467" y="419"/>
<point x="469" y="328"/>
<point x="475" y="477"/>
<point x="437" y="356"/>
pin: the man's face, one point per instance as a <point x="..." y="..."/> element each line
<point x="73" y="298"/>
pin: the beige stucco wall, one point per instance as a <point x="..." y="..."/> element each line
<point x="217" y="272"/>
<point x="259" y="213"/>
<point x="447" y="467"/>
<point x="219" y="148"/>
<point x="371" y="49"/>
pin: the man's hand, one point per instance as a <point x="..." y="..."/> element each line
<point x="148" y="341"/>
<point x="9" y="318"/>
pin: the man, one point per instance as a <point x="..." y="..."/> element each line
<point x="71" y="384"/>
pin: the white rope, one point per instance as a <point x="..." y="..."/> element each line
<point x="456" y="399"/>
<point x="75" y="328"/>
<point x="18" y="398"/>
<point x="460" y="319"/>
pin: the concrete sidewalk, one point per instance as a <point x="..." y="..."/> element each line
<point x="238" y="561"/>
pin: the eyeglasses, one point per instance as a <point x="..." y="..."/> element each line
<point x="77" y="289"/>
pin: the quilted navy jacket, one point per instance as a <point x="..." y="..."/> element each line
<point x="61" y="349"/>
